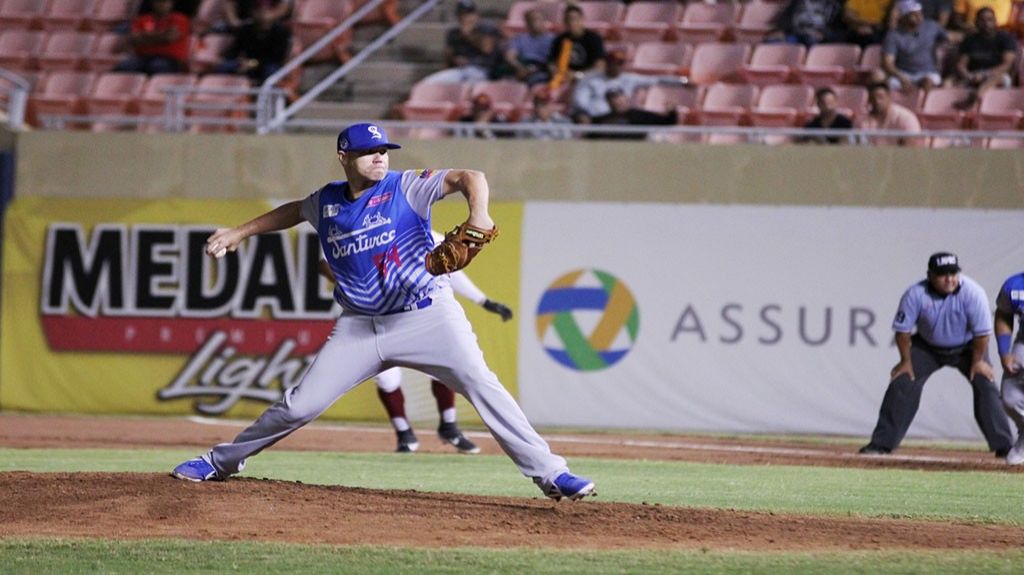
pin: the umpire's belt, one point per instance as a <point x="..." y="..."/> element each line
<point x="423" y="303"/>
<point x="956" y="350"/>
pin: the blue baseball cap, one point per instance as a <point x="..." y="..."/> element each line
<point x="364" y="137"/>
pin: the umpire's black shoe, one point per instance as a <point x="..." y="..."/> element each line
<point x="450" y="433"/>
<point x="407" y="442"/>
<point x="1003" y="451"/>
<point x="872" y="449"/>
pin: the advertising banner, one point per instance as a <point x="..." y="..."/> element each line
<point x="111" y="306"/>
<point x="737" y="318"/>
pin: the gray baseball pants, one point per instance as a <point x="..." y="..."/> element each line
<point x="437" y="340"/>
<point x="903" y="397"/>
<point x="1013" y="391"/>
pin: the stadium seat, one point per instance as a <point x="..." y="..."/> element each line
<point x="756" y="21"/>
<point x="910" y="98"/>
<point x="661" y="58"/>
<point x="19" y="48"/>
<point x="870" y="61"/>
<point x="152" y="100"/>
<point x="773" y="63"/>
<point x="940" y="110"/>
<point x="60" y="93"/>
<point x="115" y="93"/>
<point x="649" y="21"/>
<point x="782" y="105"/>
<point x="829" y="64"/>
<point x="685" y="99"/>
<point x="314" y="18"/>
<point x="706" y="22"/>
<point x="109" y="49"/>
<point x="713" y="62"/>
<point x="65" y="50"/>
<point x="507" y="97"/>
<point x="515" y="24"/>
<point x="21" y="14"/>
<point x="726" y="104"/>
<point x="601" y="16"/>
<point x="221" y="105"/>
<point x="108" y="13"/>
<point x="852" y="101"/>
<point x="435" y="102"/>
<point x="208" y="51"/>
<point x="1001" y="109"/>
<point x="66" y="14"/>
<point x="1005" y="143"/>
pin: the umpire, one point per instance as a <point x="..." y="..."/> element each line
<point x="951" y="314"/>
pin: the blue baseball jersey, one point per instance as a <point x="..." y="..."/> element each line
<point x="1011" y="300"/>
<point x="945" y="321"/>
<point x="376" y="244"/>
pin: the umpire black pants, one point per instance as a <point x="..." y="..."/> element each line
<point x="904" y="396"/>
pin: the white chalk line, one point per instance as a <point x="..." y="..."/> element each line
<point x="681" y="445"/>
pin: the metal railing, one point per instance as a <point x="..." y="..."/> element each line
<point x="17" y="99"/>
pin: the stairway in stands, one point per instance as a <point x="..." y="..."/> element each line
<point x="371" y="90"/>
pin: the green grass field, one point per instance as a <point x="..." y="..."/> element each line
<point x="959" y="496"/>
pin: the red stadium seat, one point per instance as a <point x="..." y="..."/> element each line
<point x="756" y="21"/>
<point x="65" y="50"/>
<point x="726" y="104"/>
<point x="601" y="16"/>
<point x="225" y="105"/>
<point x="208" y="51"/>
<point x="684" y="99"/>
<point x="782" y="106"/>
<point x="941" y="109"/>
<point x="649" y="21"/>
<point x="109" y="13"/>
<point x="870" y="61"/>
<point x="19" y="49"/>
<point x="773" y="63"/>
<point x="1001" y="109"/>
<point x="829" y="64"/>
<point x="66" y="14"/>
<point x="21" y="14"/>
<point x="115" y="93"/>
<point x="435" y="102"/>
<point x="661" y="58"/>
<point x="152" y="100"/>
<point x="109" y="49"/>
<point x="507" y="97"/>
<point x="909" y="98"/>
<point x="314" y="18"/>
<point x="706" y="22"/>
<point x="60" y="93"/>
<point x="852" y="101"/>
<point x="713" y="62"/>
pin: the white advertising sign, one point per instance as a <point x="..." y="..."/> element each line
<point x="737" y="318"/>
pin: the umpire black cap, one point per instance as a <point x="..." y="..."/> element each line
<point x="943" y="263"/>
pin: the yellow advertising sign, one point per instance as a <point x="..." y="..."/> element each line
<point x="111" y="306"/>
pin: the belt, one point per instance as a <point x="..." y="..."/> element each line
<point x="423" y="303"/>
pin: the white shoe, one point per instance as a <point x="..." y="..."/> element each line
<point x="1016" y="455"/>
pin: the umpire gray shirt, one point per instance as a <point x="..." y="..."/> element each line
<point x="945" y="321"/>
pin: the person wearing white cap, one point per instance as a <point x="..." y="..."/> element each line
<point x="909" y="51"/>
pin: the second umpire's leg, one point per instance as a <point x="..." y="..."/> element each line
<point x="903" y="397"/>
<point x="988" y="407"/>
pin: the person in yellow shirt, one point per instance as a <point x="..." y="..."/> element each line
<point x="866" y="20"/>
<point x="967" y="10"/>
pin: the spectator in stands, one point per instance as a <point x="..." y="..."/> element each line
<point x="865" y="20"/>
<point x="472" y="48"/>
<point x="575" y="51"/>
<point x="986" y="57"/>
<point x="159" y="41"/>
<point x="551" y="123"/>
<point x="883" y="114"/>
<point x="482" y="114"/>
<point x="527" y="52"/>
<point x="186" y="7"/>
<point x="966" y="11"/>
<point x="939" y="11"/>
<point x="239" y="13"/>
<point x="809" y="22"/>
<point x="910" y="51"/>
<point x="260" y="48"/>
<point x="623" y="114"/>
<point x="588" y="95"/>
<point x="828" y="118"/>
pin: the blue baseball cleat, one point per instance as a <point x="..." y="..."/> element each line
<point x="571" y="486"/>
<point x="197" y="469"/>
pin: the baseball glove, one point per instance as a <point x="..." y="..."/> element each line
<point x="459" y="248"/>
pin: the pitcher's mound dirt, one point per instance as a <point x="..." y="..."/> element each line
<point x="134" y="505"/>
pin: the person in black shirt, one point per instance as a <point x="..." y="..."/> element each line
<point x="260" y="47"/>
<point x="828" y="118"/>
<point x="986" y="57"/>
<point x="623" y="114"/>
<point x="575" y="51"/>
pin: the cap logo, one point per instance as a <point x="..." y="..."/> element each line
<point x="375" y="132"/>
<point x="344" y="144"/>
<point x="946" y="261"/>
